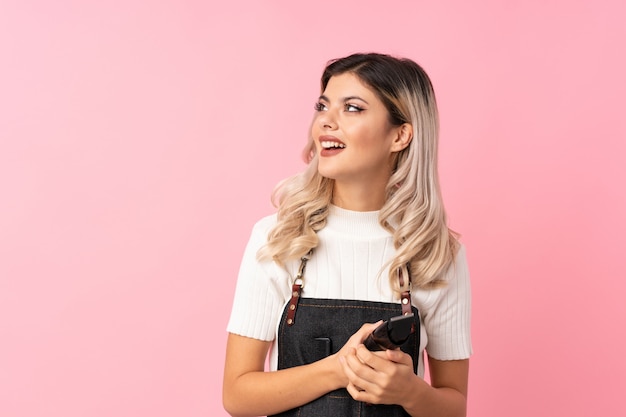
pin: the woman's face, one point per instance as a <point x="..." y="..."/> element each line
<point x="352" y="133"/>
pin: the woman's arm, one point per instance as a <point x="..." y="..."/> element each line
<point x="250" y="391"/>
<point x="387" y="378"/>
<point x="447" y="394"/>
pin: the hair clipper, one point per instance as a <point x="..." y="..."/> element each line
<point x="391" y="333"/>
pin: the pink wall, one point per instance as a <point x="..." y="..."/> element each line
<point x="140" y="140"/>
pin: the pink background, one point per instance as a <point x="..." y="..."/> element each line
<point x="140" y="140"/>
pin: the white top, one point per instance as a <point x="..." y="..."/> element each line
<point x="347" y="265"/>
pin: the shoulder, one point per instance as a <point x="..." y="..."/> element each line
<point x="458" y="269"/>
<point x="460" y="257"/>
<point x="266" y="221"/>
<point x="265" y="224"/>
<point x="261" y="229"/>
<point x="251" y="265"/>
<point x="456" y="285"/>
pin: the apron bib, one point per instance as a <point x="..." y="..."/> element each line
<point x="312" y="328"/>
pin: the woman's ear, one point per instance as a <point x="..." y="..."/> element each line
<point x="403" y="137"/>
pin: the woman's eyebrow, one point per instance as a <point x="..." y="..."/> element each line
<point x="323" y="97"/>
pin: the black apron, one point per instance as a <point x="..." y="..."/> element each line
<point x="313" y="328"/>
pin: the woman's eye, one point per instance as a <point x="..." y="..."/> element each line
<point x="353" y="108"/>
<point x="319" y="106"/>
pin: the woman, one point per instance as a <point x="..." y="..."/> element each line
<point x="359" y="237"/>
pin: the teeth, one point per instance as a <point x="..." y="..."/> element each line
<point x="329" y="144"/>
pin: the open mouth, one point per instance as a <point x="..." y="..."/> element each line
<point x="332" y="145"/>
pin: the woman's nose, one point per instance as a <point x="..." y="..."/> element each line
<point x="327" y="120"/>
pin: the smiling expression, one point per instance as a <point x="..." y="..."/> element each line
<point x="353" y="136"/>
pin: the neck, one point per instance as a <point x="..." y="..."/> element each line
<point x="359" y="197"/>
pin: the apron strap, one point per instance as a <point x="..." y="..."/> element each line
<point x="298" y="284"/>
<point x="405" y="295"/>
<point x="296" y="290"/>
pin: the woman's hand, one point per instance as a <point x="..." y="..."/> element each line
<point x="387" y="377"/>
<point x="354" y="342"/>
<point x="384" y="377"/>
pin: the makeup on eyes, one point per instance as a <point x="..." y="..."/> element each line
<point x="321" y="105"/>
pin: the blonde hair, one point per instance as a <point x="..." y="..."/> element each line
<point x="413" y="212"/>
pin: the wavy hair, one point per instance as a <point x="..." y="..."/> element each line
<point x="413" y="211"/>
